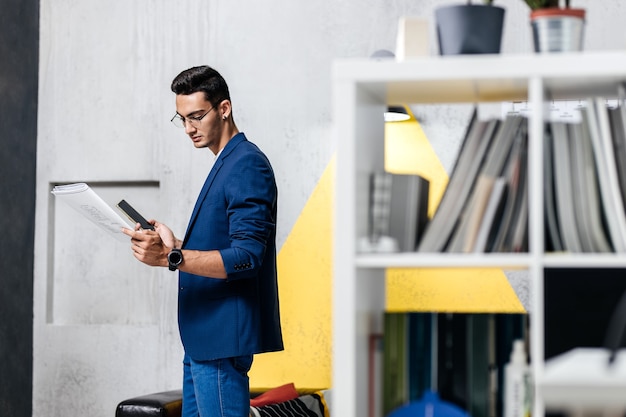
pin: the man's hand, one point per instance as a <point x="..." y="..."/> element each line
<point x="148" y="246"/>
<point x="167" y="236"/>
<point x="152" y="246"/>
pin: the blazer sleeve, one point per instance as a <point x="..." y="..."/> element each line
<point x="251" y="195"/>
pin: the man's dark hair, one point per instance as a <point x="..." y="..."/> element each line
<point x="205" y="79"/>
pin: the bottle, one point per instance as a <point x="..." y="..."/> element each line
<point x="517" y="384"/>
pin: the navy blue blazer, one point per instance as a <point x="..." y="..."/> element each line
<point x="236" y="214"/>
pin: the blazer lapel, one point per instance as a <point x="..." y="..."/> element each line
<point x="203" y="192"/>
<point x="209" y="180"/>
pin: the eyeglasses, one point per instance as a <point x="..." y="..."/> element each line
<point x="180" y="121"/>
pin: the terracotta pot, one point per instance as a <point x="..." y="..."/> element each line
<point x="558" y="30"/>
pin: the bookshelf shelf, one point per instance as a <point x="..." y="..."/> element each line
<point x="484" y="77"/>
<point x="362" y="89"/>
<point x="580" y="260"/>
<point x="490" y="260"/>
<point x="420" y="260"/>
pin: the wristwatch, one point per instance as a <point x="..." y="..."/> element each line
<point x="174" y="259"/>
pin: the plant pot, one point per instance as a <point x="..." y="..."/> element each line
<point x="558" y="30"/>
<point x="469" y="29"/>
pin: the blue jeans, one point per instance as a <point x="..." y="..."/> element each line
<point x="218" y="388"/>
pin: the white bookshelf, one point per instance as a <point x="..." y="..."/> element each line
<point x="361" y="91"/>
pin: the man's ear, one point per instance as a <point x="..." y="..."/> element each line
<point x="225" y="109"/>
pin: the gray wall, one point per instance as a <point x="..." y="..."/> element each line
<point x="104" y="109"/>
<point x="19" y="49"/>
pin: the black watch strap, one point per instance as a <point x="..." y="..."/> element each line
<point x="174" y="259"/>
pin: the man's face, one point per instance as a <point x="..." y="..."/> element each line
<point x="201" y="120"/>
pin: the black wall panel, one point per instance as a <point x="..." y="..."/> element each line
<point x="19" y="56"/>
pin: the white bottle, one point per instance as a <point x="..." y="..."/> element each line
<point x="517" y="384"/>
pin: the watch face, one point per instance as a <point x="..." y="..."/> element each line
<point x="175" y="258"/>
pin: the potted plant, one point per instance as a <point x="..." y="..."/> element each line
<point x="556" y="28"/>
<point x="469" y="28"/>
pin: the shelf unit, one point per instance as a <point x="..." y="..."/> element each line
<point x="362" y="89"/>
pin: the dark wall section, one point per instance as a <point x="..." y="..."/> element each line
<point x="579" y="304"/>
<point x="19" y="56"/>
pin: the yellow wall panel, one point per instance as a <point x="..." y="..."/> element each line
<point x="472" y="290"/>
<point x="304" y="274"/>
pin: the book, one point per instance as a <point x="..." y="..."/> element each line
<point x="519" y="228"/>
<point x="395" y="361"/>
<point x="464" y="236"/>
<point x="618" y="136"/>
<point x="493" y="211"/>
<point x="452" y="360"/>
<point x="595" y="116"/>
<point x="586" y="202"/>
<point x="398" y="208"/>
<point x="409" y="209"/>
<point x="473" y="149"/>
<point x="422" y="352"/>
<point x="514" y="218"/>
<point x="553" y="233"/>
<point x="619" y="128"/>
<point x="563" y="175"/>
<point x="481" y="364"/>
<point x="409" y="357"/>
<point x="84" y="200"/>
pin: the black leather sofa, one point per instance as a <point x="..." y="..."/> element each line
<point x="159" y="404"/>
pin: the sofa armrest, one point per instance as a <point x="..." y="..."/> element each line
<point x="160" y="404"/>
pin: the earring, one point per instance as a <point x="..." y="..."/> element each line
<point x="224" y="117"/>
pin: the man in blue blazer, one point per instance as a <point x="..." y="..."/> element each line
<point x="227" y="297"/>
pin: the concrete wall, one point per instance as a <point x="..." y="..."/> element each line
<point x="104" y="326"/>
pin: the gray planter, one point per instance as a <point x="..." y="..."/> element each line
<point x="469" y="29"/>
<point x="558" y="30"/>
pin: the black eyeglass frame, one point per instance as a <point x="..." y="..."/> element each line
<point x="180" y="121"/>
